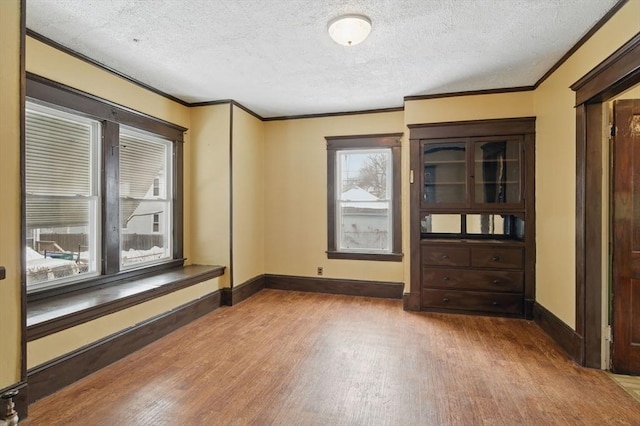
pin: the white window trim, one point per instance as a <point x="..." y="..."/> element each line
<point x="95" y="220"/>
<point x="339" y="202"/>
<point x="167" y="200"/>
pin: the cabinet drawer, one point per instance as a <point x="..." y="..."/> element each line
<point x="497" y="257"/>
<point x="479" y="301"/>
<point x="445" y="256"/>
<point x="470" y="279"/>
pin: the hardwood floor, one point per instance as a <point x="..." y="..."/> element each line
<point x="288" y="358"/>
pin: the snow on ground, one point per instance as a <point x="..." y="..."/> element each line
<point x="40" y="269"/>
<point x="132" y="256"/>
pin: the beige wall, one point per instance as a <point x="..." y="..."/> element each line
<point x="476" y="107"/>
<point x="248" y="197"/>
<point x="555" y="164"/>
<point x="296" y="196"/>
<point x="210" y="177"/>
<point x="62" y="342"/>
<point x="48" y="62"/>
<point x="10" y="291"/>
<point x="633" y="93"/>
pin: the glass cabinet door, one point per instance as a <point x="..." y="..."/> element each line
<point x="497" y="171"/>
<point x="444" y="173"/>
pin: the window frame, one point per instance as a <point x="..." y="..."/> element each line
<point x="156" y="223"/>
<point x="165" y="197"/>
<point x="364" y="142"/>
<point x="56" y="95"/>
<point x="93" y="197"/>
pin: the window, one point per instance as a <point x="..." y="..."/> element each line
<point x="156" y="223"/>
<point x="103" y="190"/>
<point x="363" y="199"/>
<point x="62" y="195"/>
<point x="145" y="161"/>
<point x="156" y="187"/>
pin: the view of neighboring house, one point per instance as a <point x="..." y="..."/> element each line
<point x="365" y="220"/>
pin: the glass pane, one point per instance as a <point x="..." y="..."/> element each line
<point x="364" y="226"/>
<point x="54" y="141"/>
<point x="142" y="167"/>
<point x="364" y="200"/>
<point x="497" y="172"/>
<point x="365" y="175"/>
<point x="62" y="203"/>
<point x="145" y="203"/>
<point x="56" y="212"/>
<point x="441" y="224"/>
<point x="495" y="224"/>
<point x="144" y="235"/>
<point x="445" y="173"/>
<point x="56" y="252"/>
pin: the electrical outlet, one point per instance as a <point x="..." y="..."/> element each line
<point x="320" y="270"/>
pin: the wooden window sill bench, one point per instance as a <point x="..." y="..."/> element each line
<point x="57" y="313"/>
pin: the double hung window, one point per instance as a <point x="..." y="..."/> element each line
<point x="62" y="160"/>
<point x="364" y="197"/>
<point x="102" y="190"/>
<point x="145" y="198"/>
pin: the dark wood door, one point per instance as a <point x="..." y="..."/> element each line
<point x="626" y="238"/>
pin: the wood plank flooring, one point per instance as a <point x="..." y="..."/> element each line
<point x="288" y="358"/>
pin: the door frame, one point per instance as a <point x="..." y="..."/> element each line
<point x="617" y="73"/>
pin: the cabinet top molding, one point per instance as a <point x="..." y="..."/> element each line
<point x="497" y="127"/>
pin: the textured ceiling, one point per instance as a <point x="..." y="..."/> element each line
<point x="276" y="58"/>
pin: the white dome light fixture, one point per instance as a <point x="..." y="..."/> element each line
<point x="349" y="30"/>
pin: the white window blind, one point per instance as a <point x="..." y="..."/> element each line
<point x="62" y="199"/>
<point x="58" y="157"/>
<point x="145" y="198"/>
<point x="142" y="160"/>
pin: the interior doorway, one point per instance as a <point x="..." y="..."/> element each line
<point x="613" y="76"/>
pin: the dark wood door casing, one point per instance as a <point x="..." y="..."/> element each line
<point x="617" y="73"/>
<point x="626" y="238"/>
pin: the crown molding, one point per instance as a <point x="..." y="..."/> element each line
<point x="582" y="41"/>
<point x="469" y="93"/>
<point x="557" y="65"/>
<point x="84" y="58"/>
<point x="334" y="114"/>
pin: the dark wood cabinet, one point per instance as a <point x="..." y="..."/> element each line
<point x="473" y="217"/>
<point x="473" y="275"/>
<point x="472" y="172"/>
<point x="473" y="279"/>
<point x="481" y="302"/>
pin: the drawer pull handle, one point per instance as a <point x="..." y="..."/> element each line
<point x="444" y="257"/>
<point x="497" y="281"/>
<point x="495" y="258"/>
<point x="445" y="299"/>
<point x="495" y="303"/>
<point x="445" y="278"/>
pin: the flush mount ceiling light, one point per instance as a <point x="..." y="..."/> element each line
<point x="349" y="30"/>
